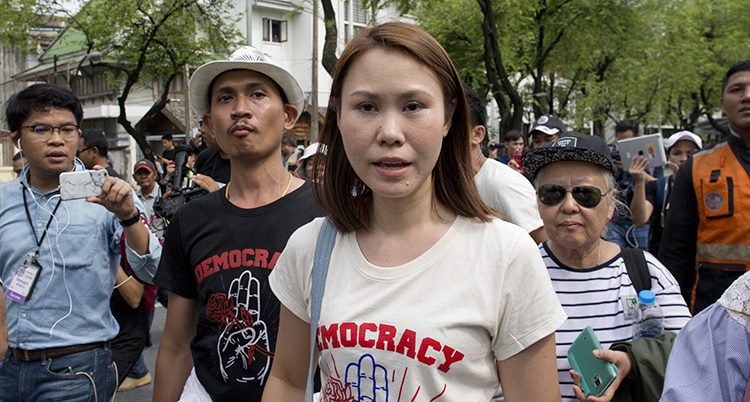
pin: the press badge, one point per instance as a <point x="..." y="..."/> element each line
<point x="24" y="280"/>
<point x="629" y="307"/>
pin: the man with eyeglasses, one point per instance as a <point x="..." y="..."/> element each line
<point x="93" y="150"/>
<point x="59" y="260"/>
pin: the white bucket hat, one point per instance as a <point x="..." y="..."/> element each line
<point x="244" y="58"/>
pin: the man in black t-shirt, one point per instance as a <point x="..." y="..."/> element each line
<point x="212" y="165"/>
<point x="220" y="248"/>
<point x="169" y="149"/>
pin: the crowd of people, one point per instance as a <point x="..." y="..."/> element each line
<point x="403" y="256"/>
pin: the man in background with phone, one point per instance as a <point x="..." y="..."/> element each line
<point x="59" y="270"/>
<point x="514" y="144"/>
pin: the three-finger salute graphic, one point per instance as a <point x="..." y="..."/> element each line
<point x="243" y="346"/>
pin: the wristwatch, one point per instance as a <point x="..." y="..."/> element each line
<point x="131" y="221"/>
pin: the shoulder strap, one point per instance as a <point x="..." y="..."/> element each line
<point x="662" y="186"/>
<point x="661" y="192"/>
<point x="635" y="264"/>
<point x="323" y="249"/>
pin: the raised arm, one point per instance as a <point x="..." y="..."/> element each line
<point x="289" y="372"/>
<point x="640" y="206"/>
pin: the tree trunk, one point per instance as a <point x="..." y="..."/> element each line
<point x="138" y="132"/>
<point x="329" y="58"/>
<point x="513" y="117"/>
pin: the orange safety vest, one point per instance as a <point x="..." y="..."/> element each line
<point x="722" y="190"/>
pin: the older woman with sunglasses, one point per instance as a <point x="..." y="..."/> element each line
<point x="574" y="179"/>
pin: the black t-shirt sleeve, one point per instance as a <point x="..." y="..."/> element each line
<point x="200" y="161"/>
<point x="175" y="273"/>
<point x="677" y="248"/>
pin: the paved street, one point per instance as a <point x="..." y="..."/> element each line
<point x="143" y="394"/>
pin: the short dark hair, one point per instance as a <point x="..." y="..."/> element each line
<point x="96" y="139"/>
<point x="288" y="139"/>
<point x="37" y="98"/>
<point x="167" y="137"/>
<point x="627" y="125"/>
<point x="512" y="135"/>
<point x="738" y="67"/>
<point x="17" y="156"/>
<point x="477" y="106"/>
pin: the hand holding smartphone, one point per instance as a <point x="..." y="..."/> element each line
<point x="596" y="375"/>
<point x="81" y="184"/>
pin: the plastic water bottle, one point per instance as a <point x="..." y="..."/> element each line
<point x="651" y="319"/>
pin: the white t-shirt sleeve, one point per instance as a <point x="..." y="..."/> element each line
<point x="510" y="193"/>
<point x="291" y="278"/>
<point x="530" y="307"/>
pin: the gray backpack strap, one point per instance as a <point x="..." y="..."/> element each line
<point x="323" y="249"/>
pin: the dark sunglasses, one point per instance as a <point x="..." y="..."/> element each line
<point x="585" y="196"/>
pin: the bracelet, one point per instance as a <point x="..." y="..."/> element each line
<point x="131" y="221"/>
<point x="123" y="282"/>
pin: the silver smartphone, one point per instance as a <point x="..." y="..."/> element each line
<point x="81" y="184"/>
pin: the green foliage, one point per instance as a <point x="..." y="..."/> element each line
<point x="17" y="17"/>
<point x="157" y="38"/>
<point x="658" y="61"/>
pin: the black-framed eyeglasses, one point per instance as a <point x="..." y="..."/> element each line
<point x="80" y="151"/>
<point x="585" y="196"/>
<point x="44" y="131"/>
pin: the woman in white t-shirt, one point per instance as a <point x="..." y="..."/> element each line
<point x="428" y="295"/>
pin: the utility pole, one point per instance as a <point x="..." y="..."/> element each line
<point x="314" y="89"/>
<point x="188" y="110"/>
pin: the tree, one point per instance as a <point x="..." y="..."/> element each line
<point x="18" y="16"/>
<point x="149" y="41"/>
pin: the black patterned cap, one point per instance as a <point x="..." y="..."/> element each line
<point x="570" y="147"/>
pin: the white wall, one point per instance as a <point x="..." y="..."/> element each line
<point x="296" y="54"/>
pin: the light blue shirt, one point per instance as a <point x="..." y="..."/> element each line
<point x="79" y="258"/>
<point x="710" y="359"/>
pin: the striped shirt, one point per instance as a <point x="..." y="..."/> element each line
<point x="600" y="297"/>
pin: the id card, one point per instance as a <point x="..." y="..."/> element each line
<point x="629" y="307"/>
<point x="24" y="280"/>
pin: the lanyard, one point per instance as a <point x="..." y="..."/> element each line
<point x="28" y="216"/>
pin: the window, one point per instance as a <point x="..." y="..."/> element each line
<point x="356" y="18"/>
<point x="274" y="30"/>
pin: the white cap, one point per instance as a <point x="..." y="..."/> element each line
<point x="244" y="58"/>
<point x="684" y="135"/>
<point x="312" y="149"/>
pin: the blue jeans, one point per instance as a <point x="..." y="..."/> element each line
<point x="66" y="378"/>
<point x="139" y="368"/>
<point x="628" y="235"/>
